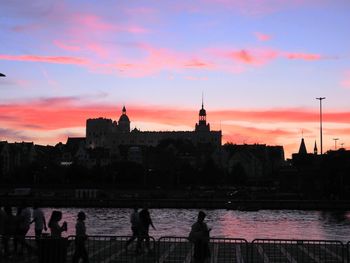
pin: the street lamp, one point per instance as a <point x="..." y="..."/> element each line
<point x="320" y="99"/>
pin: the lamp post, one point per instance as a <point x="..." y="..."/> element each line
<point x="320" y="99"/>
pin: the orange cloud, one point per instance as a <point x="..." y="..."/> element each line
<point x="240" y="134"/>
<point x="56" y="117"/>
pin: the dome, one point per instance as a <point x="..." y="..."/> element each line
<point x="202" y="112"/>
<point x="124" y="118"/>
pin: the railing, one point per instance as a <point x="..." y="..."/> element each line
<point x="108" y="249"/>
<point x="278" y="250"/>
<point x="179" y="249"/>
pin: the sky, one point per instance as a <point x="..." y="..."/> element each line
<point x="259" y="64"/>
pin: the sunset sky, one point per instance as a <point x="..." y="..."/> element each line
<point x="260" y="65"/>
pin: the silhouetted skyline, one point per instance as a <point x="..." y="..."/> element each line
<point x="260" y="66"/>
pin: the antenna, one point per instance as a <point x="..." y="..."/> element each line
<point x="202" y="99"/>
<point x="335" y="143"/>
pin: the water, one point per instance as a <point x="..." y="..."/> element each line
<point x="280" y="224"/>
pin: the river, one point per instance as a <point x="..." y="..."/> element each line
<point x="278" y="224"/>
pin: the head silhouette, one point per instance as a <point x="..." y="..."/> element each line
<point x="201" y="216"/>
<point x="81" y="215"/>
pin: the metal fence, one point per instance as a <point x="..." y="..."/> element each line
<point x="100" y="249"/>
<point x="108" y="249"/>
<point x="297" y="251"/>
<point x="179" y="249"/>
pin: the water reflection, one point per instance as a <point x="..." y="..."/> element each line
<point x="335" y="217"/>
<point x="286" y="224"/>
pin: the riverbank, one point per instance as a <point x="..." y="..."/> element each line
<point x="243" y="205"/>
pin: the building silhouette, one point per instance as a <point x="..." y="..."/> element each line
<point x="109" y="134"/>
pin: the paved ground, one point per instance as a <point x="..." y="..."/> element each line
<point x="176" y="250"/>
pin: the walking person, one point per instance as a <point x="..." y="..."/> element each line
<point x="199" y="235"/>
<point x="80" y="238"/>
<point x="143" y="234"/>
<point x="55" y="229"/>
<point x="39" y="221"/>
<point x="135" y="221"/>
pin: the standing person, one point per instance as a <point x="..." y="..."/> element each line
<point x="55" y="229"/>
<point x="145" y="222"/>
<point x="3" y="217"/>
<point x="39" y="221"/>
<point x="80" y="237"/>
<point x="9" y="230"/>
<point x="23" y="224"/>
<point x="199" y="235"/>
<point x="134" y="220"/>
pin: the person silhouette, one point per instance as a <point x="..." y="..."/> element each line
<point x="135" y="221"/>
<point x="9" y="230"/>
<point x="80" y="238"/>
<point x="39" y="221"/>
<point x="199" y="236"/>
<point x="55" y="229"/>
<point x="23" y="218"/>
<point x="145" y="222"/>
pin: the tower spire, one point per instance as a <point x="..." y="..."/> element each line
<point x="202" y="100"/>
<point x="315" y="148"/>
<point x="302" y="148"/>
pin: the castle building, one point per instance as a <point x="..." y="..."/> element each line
<point x="106" y="133"/>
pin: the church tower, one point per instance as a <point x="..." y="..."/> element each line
<point x="202" y="123"/>
<point x="124" y="122"/>
<point x="302" y="148"/>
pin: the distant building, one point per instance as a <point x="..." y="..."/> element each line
<point x="254" y="161"/>
<point x="15" y="155"/>
<point x="106" y="133"/>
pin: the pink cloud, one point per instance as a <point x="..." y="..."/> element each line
<point x="195" y="63"/>
<point x="262" y="36"/>
<point x="46" y="59"/>
<point x="247" y="7"/>
<point x="248" y="56"/>
<point x="281" y="115"/>
<point x="303" y="56"/>
<point x="346" y="81"/>
<point x="65" y="46"/>
<point x="261" y="56"/>
<point x="195" y="78"/>
<point x="151" y="60"/>
<point x="95" y="23"/>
